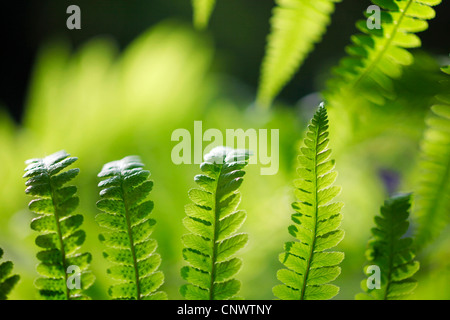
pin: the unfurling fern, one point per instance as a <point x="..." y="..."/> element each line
<point x="126" y="214"/>
<point x="390" y="253"/>
<point x="377" y="56"/>
<point x="7" y="281"/>
<point x="202" y="12"/>
<point x="64" y="270"/>
<point x="213" y="219"/>
<point x="311" y="266"/>
<point x="296" y="26"/>
<point x="433" y="195"/>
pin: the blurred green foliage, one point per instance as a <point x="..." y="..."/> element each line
<point x="100" y="105"/>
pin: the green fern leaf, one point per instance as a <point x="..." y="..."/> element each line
<point x="391" y="252"/>
<point x="433" y="194"/>
<point x="202" y="12"/>
<point x="377" y="56"/>
<point x="59" y="227"/>
<point x="213" y="220"/>
<point x="126" y="216"/>
<point x="311" y="266"/>
<point x="7" y="281"/>
<point x="296" y="26"/>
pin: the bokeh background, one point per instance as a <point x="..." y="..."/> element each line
<point x="137" y="70"/>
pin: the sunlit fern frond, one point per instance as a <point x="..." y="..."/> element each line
<point x="297" y="25"/>
<point x="433" y="195"/>
<point x="126" y="216"/>
<point x="311" y="266"/>
<point x="213" y="220"/>
<point x="377" y="56"/>
<point x="64" y="270"/>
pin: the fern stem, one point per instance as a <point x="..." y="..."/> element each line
<point x="385" y="47"/>
<point x="213" y="257"/>
<point x="311" y="252"/>
<point x="60" y="238"/>
<point x="130" y="238"/>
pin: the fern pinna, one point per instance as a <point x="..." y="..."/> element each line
<point x="124" y="190"/>
<point x="61" y="236"/>
<point x="296" y="26"/>
<point x="213" y="219"/>
<point x="377" y="56"/>
<point x="7" y="281"/>
<point x="310" y="264"/>
<point x="433" y="194"/>
<point x="391" y="252"/>
<point x="202" y="12"/>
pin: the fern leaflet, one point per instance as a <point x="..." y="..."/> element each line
<point x="433" y="195"/>
<point x="213" y="219"/>
<point x="391" y="253"/>
<point x="60" y="234"/>
<point x="296" y="26"/>
<point x="202" y="12"/>
<point x="377" y="56"/>
<point x="126" y="212"/>
<point x="310" y="264"/>
<point x="7" y="281"/>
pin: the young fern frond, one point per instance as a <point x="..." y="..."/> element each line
<point x="7" y="281"/>
<point x="378" y="55"/>
<point x="213" y="219"/>
<point x="126" y="216"/>
<point x="202" y="12"/>
<point x="60" y="234"/>
<point x="391" y="252"/>
<point x="296" y="26"/>
<point x="433" y="194"/>
<point x="310" y="264"/>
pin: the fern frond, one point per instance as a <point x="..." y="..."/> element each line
<point x="433" y="194"/>
<point x="213" y="220"/>
<point x="377" y="56"/>
<point x="7" y="281"/>
<point x="202" y="12"/>
<point x="296" y="25"/>
<point x="60" y="234"/>
<point x="126" y="216"/>
<point x="391" y="252"/>
<point x="311" y="266"/>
